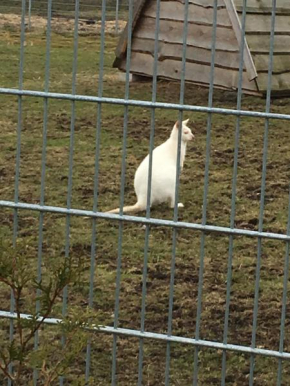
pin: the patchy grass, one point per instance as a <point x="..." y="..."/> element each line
<point x="160" y="241"/>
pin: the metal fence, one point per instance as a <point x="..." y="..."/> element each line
<point x="147" y="220"/>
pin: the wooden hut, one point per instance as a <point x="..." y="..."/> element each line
<point x="198" y="53"/>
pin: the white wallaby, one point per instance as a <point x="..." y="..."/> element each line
<point x="164" y="164"/>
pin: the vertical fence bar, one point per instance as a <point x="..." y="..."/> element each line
<point x="117" y="17"/>
<point x="19" y="124"/>
<point x="17" y="165"/>
<point x="122" y="191"/>
<point x="43" y="167"/>
<point x="175" y="215"/>
<point x="234" y="189"/>
<point x="29" y="14"/>
<point x="147" y="231"/>
<point x="284" y="300"/>
<point x="71" y="155"/>
<point x="263" y="188"/>
<point x="205" y="192"/>
<point x="96" y="180"/>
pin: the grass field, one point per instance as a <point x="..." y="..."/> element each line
<point x="160" y="242"/>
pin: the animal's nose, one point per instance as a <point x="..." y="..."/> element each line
<point x="192" y="136"/>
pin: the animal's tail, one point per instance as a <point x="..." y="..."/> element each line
<point x="132" y="208"/>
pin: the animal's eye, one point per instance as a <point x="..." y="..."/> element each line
<point x="186" y="131"/>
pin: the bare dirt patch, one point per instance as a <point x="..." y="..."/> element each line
<point x="62" y="24"/>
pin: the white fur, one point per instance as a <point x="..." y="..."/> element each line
<point x="163" y="172"/>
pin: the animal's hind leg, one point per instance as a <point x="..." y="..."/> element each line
<point x="172" y="203"/>
<point x="142" y="204"/>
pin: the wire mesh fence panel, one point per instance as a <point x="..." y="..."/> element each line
<point x="180" y="293"/>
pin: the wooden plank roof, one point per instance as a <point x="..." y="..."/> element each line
<point x="258" y="27"/>
<point x="122" y="45"/>
<point x="258" y="30"/>
<point x="264" y="6"/>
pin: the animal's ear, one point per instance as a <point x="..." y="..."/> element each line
<point x="176" y="126"/>
<point x="186" y="122"/>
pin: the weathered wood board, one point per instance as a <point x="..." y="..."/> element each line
<point x="281" y="63"/>
<point x="258" y="28"/>
<point x="122" y="45"/>
<point x="280" y="82"/>
<point x="168" y="50"/>
<point x="261" y="44"/>
<point x="198" y="35"/>
<point x="143" y="64"/>
<point x="199" y="42"/>
<point x="263" y="6"/>
<point x="260" y="23"/>
<point x="206" y="3"/>
<point x="173" y="10"/>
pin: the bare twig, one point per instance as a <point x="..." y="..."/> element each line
<point x="5" y="371"/>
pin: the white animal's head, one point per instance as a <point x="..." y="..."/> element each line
<point x="186" y="132"/>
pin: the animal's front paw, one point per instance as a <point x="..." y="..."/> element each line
<point x="180" y="205"/>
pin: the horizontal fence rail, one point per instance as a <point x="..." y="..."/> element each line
<point x="141" y="103"/>
<point x="163" y="337"/>
<point x="145" y="220"/>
